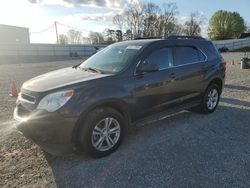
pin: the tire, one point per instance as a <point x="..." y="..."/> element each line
<point x="97" y="128"/>
<point x="210" y="99"/>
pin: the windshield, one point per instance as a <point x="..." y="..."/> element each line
<point x="112" y="59"/>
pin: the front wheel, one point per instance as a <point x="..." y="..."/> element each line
<point x="102" y="132"/>
<point x="210" y="99"/>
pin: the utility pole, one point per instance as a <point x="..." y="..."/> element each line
<point x="57" y="39"/>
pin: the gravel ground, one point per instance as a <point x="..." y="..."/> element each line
<point x="184" y="150"/>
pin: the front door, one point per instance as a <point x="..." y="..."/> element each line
<point x="154" y="90"/>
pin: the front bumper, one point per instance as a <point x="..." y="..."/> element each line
<point x="51" y="131"/>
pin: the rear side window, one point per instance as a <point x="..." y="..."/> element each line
<point x="186" y="55"/>
<point x="211" y="51"/>
<point x="162" y="58"/>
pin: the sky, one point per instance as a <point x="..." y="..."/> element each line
<point x="96" y="15"/>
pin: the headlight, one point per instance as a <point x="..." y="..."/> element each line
<point x="54" y="101"/>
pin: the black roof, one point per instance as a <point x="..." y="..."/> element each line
<point x="184" y="40"/>
<point x="141" y="42"/>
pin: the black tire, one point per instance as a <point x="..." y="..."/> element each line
<point x="204" y="106"/>
<point x="87" y="128"/>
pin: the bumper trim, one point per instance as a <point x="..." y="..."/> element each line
<point x="18" y="118"/>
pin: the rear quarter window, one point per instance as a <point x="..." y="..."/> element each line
<point x="187" y="55"/>
<point x="210" y="50"/>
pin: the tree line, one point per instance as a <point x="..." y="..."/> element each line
<point x="144" y="20"/>
<point x="109" y="36"/>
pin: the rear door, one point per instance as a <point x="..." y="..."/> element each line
<point x="188" y="68"/>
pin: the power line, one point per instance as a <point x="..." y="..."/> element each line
<point x="54" y="26"/>
<point x="43" y="30"/>
<point x="74" y="27"/>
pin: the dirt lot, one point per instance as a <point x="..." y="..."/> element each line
<point x="183" y="150"/>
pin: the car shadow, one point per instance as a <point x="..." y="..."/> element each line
<point x="186" y="149"/>
<point x="237" y="87"/>
<point x="235" y="101"/>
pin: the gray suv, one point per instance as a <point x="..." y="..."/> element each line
<point x="89" y="106"/>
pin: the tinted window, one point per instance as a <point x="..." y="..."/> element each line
<point x="210" y="51"/>
<point x="187" y="55"/>
<point x="162" y="58"/>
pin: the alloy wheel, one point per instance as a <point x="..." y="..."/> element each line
<point x="212" y="99"/>
<point x="106" y="134"/>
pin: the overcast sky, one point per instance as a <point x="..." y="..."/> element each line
<point x="96" y="15"/>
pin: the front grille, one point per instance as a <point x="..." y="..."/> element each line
<point x="28" y="98"/>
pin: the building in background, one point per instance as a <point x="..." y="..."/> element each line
<point x="15" y="47"/>
<point x="14" y="35"/>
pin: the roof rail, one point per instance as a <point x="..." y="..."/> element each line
<point x="185" y="37"/>
<point x="140" y="38"/>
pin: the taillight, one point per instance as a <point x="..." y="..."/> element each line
<point x="224" y="64"/>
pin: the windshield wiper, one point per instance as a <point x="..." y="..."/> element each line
<point x="91" y="69"/>
<point x="75" y="66"/>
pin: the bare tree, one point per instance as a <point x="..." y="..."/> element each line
<point x="159" y="26"/>
<point x="86" y="40"/>
<point x="177" y="29"/>
<point x="63" y="39"/>
<point x="150" y="18"/>
<point x="134" y="19"/>
<point x="96" y="38"/>
<point x="169" y="18"/>
<point x="192" y="27"/>
<point x="74" y="37"/>
<point x="119" y="21"/>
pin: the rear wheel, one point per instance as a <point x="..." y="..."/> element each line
<point x="210" y="99"/>
<point x="102" y="132"/>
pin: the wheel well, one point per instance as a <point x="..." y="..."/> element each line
<point x="218" y="82"/>
<point x="119" y="107"/>
<point x="115" y="105"/>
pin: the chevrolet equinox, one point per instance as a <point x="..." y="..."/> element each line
<point x="89" y="106"/>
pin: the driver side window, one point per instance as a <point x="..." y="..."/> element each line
<point x="162" y="58"/>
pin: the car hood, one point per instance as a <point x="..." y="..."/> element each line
<point x="60" y="78"/>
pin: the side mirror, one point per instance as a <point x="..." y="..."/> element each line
<point x="147" y="68"/>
